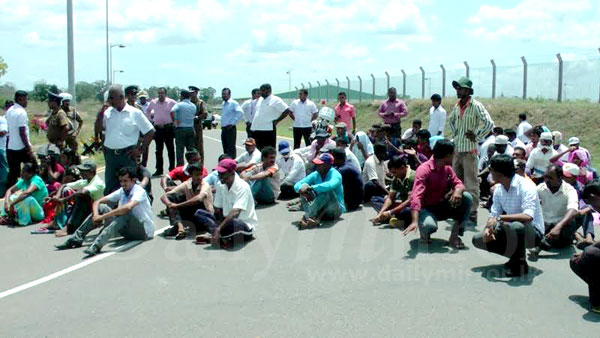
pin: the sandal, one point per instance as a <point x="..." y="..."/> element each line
<point x="292" y="203"/>
<point x="42" y="231"/>
<point x="308" y="224"/>
<point x="295" y="208"/>
<point x="181" y="234"/>
<point x="170" y="232"/>
<point x="203" y="239"/>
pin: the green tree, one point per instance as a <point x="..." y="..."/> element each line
<point x="207" y="94"/>
<point x="90" y="91"/>
<point x="41" y="89"/>
<point x="3" y="67"/>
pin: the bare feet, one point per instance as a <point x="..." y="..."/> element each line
<point x="61" y="233"/>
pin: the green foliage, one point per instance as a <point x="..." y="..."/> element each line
<point x="90" y="91"/>
<point x="7" y="91"/>
<point x="41" y="89"/>
<point x="3" y="67"/>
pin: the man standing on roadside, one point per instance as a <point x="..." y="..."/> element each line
<point x="304" y="111"/>
<point x="183" y="114"/>
<point x="392" y="110"/>
<point x="231" y="114"/>
<point x="270" y="110"/>
<point x="469" y="123"/>
<point x="123" y="125"/>
<point x="249" y="108"/>
<point x="19" y="149"/>
<point x="200" y="116"/>
<point x="58" y="124"/>
<point x="75" y="121"/>
<point x="345" y="112"/>
<point x="159" y="111"/>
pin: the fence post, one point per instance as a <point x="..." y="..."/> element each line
<point x="493" y="78"/>
<point x="319" y="84"/>
<point x="310" y="92"/>
<point x="373" y="78"/>
<point x="359" y="89"/>
<point x="338" y="87"/>
<point x="599" y="86"/>
<point x="403" y="83"/>
<point x="327" y="91"/>
<point x="468" y="69"/>
<point x="348" y="79"/>
<point x="302" y="84"/>
<point x="560" y="77"/>
<point x="387" y="75"/>
<point x="443" y="80"/>
<point x="296" y="88"/>
<point x="422" y="82"/>
<point x="524" y="77"/>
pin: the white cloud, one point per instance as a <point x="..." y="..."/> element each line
<point x="566" y="23"/>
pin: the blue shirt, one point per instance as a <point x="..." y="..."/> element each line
<point x="212" y="179"/>
<point x="185" y="112"/>
<point x="231" y="113"/>
<point x="332" y="182"/>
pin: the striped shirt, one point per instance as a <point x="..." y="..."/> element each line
<point x="474" y="115"/>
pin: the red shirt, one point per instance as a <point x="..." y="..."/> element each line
<point x="425" y="150"/>
<point x="432" y="184"/>
<point x="180" y="174"/>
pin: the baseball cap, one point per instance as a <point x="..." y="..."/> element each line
<point x="87" y="165"/>
<point x="324" y="159"/>
<point x="573" y="141"/>
<point x="284" y="147"/>
<point x="341" y="125"/>
<point x="501" y="140"/>
<point x="570" y="170"/>
<point x="193" y="88"/>
<point x="226" y="165"/>
<point x="143" y="93"/>
<point x="321" y="133"/>
<point x="250" y="142"/>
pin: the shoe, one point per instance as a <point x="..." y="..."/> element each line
<point x="516" y="270"/>
<point x="68" y="244"/>
<point x="596" y="309"/>
<point x="170" y="232"/>
<point x="545" y="245"/>
<point x="91" y="251"/>
<point x="157" y="173"/>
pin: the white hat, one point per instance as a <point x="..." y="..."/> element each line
<point x="570" y="169"/>
<point x="557" y="136"/>
<point x="65" y="97"/>
<point x="546" y="136"/>
<point x="573" y="141"/>
<point x="501" y="140"/>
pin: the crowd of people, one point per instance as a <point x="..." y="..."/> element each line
<point x="539" y="192"/>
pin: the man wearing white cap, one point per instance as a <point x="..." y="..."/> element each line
<point x="574" y="142"/>
<point x="539" y="159"/>
<point x="558" y="146"/>
<point x="75" y="120"/>
<point x="502" y="146"/>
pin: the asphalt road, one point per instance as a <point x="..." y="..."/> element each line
<point x="348" y="279"/>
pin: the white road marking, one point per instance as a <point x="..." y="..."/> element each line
<point x="74" y="267"/>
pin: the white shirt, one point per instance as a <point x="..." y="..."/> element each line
<point x="483" y="159"/>
<point x="142" y="211"/>
<point x="374" y="169"/>
<point x="350" y="157"/>
<point x="521" y="197"/>
<point x="123" y="128"/>
<point x="437" y="120"/>
<point x="267" y="110"/>
<point x="16" y="117"/>
<point x="409" y="134"/>
<point x="486" y="144"/>
<point x="144" y="106"/>
<point x="238" y="197"/>
<point x="303" y="113"/>
<point x="4" y="128"/>
<point x="522" y="128"/>
<point x="292" y="170"/>
<point x="517" y="143"/>
<point x="253" y="158"/>
<point x="563" y="148"/>
<point x="555" y="206"/>
<point x="538" y="162"/>
<point x="249" y="108"/>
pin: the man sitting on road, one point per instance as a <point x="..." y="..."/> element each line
<point x="184" y="200"/>
<point x="321" y="193"/>
<point x="394" y="209"/>
<point x="342" y="143"/>
<point x="515" y="220"/>
<point x="438" y="194"/>
<point x="351" y="179"/>
<point x="250" y="158"/>
<point x="374" y="173"/>
<point x="411" y="134"/>
<point x="132" y="219"/>
<point x="234" y="210"/>
<point x="291" y="168"/>
<point x="539" y="158"/>
<point x="560" y="204"/>
<point x="264" y="178"/>
<point x="181" y="174"/>
<point x="88" y="189"/>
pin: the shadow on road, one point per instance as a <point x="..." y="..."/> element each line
<point x="496" y="273"/>
<point x="437" y="246"/>
<point x="584" y="302"/>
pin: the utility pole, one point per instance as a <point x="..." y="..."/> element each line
<point x="70" y="55"/>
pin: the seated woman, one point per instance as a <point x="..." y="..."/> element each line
<point x="51" y="171"/>
<point x="580" y="158"/>
<point x="23" y="201"/>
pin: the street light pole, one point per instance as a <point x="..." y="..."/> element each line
<point x="107" y="49"/>
<point x="70" y="54"/>
<point x="110" y="56"/>
<point x="116" y="71"/>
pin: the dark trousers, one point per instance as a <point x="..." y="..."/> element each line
<point x="199" y="139"/>
<point x="248" y="131"/>
<point x="81" y="210"/>
<point x="228" y="137"/>
<point x="15" y="159"/>
<point x="185" y="140"/>
<point x="404" y="214"/>
<point x="164" y="136"/>
<point x="371" y="190"/>
<point x="511" y="241"/>
<point x="185" y="215"/>
<point x="287" y="192"/>
<point x="396" y="130"/>
<point x="115" y="160"/>
<point x="300" y="133"/>
<point x="587" y="267"/>
<point x="234" y="230"/>
<point x="265" y="138"/>
<point x="567" y="234"/>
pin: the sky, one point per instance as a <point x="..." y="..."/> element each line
<point x="243" y="43"/>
